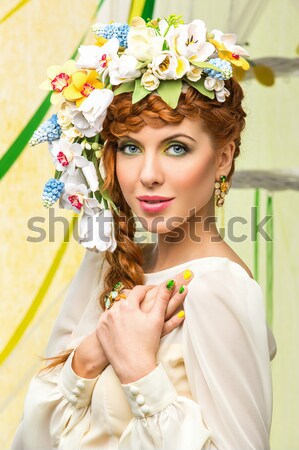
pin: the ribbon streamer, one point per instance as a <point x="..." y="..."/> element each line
<point x="255" y="234"/>
<point x="13" y="10"/>
<point x="270" y="261"/>
<point x="31" y="312"/>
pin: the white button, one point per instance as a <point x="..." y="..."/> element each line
<point x="134" y="390"/>
<point x="140" y="399"/>
<point x="80" y="384"/>
<point x="76" y="391"/>
<point x="145" y="409"/>
<point x="73" y="400"/>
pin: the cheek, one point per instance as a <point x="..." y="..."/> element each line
<point x="197" y="179"/>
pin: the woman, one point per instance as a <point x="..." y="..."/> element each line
<point x="132" y="374"/>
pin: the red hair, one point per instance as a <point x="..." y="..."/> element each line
<point x="222" y="121"/>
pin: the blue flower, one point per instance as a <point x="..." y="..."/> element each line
<point x="52" y="191"/>
<point x="47" y="132"/>
<point x="116" y="30"/>
<point x="221" y="64"/>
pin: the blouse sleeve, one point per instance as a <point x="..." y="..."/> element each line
<point x="77" y="294"/>
<point x="227" y="362"/>
<point x="56" y="403"/>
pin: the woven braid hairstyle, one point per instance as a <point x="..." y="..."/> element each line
<point x="222" y="121"/>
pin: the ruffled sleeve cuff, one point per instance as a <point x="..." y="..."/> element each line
<point x="77" y="390"/>
<point x="151" y="393"/>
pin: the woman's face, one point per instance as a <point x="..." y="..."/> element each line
<point x="177" y="162"/>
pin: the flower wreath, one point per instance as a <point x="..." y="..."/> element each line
<point x="161" y="55"/>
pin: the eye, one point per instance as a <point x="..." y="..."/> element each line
<point x="177" y="149"/>
<point x="128" y="149"/>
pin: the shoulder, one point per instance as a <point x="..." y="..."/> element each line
<point x="222" y="291"/>
<point x="225" y="251"/>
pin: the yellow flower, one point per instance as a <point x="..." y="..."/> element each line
<point x="82" y="84"/>
<point x="59" y="77"/>
<point x="233" y="58"/>
<point x="227" y="47"/>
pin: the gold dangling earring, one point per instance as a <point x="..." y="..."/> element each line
<point x="221" y="189"/>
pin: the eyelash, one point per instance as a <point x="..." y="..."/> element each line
<point x="183" y="146"/>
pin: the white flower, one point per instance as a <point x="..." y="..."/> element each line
<point x="71" y="133"/>
<point x="94" y="107"/>
<point x="98" y="58"/>
<point x="66" y="156"/>
<point x="221" y="95"/>
<point x="123" y="69"/>
<point x="194" y="73"/>
<point x="97" y="232"/>
<point x="64" y="118"/>
<point x="88" y="118"/>
<point x="149" y="81"/>
<point x="167" y="66"/>
<point x="211" y="84"/>
<point x="76" y="197"/>
<point x="143" y="43"/>
<point x="229" y="41"/>
<point x="102" y="169"/>
<point x="189" y="40"/>
<point x="90" y="174"/>
<point x="221" y="92"/>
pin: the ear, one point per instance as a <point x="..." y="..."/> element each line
<point x="224" y="159"/>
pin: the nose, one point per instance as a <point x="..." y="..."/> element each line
<point x="151" y="171"/>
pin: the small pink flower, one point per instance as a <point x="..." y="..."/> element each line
<point x="74" y="201"/>
<point x="61" y="157"/>
<point x="61" y="81"/>
<point x="87" y="88"/>
<point x="103" y="61"/>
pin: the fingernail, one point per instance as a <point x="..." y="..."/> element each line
<point x="181" y="314"/>
<point x="187" y="274"/>
<point x="181" y="290"/>
<point x="170" y="284"/>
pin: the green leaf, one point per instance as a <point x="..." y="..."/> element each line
<point x="142" y="64"/>
<point x="125" y="87"/>
<point x="170" y="91"/>
<point x="139" y="92"/>
<point x="165" y="45"/>
<point x="98" y="196"/>
<point x="199" y="86"/>
<point x="206" y="65"/>
<point x="57" y="174"/>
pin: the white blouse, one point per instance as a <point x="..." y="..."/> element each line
<point x="211" y="389"/>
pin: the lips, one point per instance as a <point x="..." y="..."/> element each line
<point x="154" y="204"/>
<point x="154" y="198"/>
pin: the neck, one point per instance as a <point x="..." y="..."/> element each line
<point x="196" y="238"/>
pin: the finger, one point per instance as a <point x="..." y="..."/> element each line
<point x="173" y="323"/>
<point x="182" y="278"/>
<point x="176" y="301"/>
<point x="163" y="296"/>
<point x="137" y="294"/>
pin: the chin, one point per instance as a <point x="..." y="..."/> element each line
<point x="160" y="224"/>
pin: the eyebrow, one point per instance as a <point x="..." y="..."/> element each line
<point x="127" y="138"/>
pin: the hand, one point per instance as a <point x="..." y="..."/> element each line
<point x="89" y="358"/>
<point x="171" y="320"/>
<point x="130" y="337"/>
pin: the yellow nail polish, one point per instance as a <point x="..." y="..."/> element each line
<point x="181" y="314"/>
<point x="187" y="274"/>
